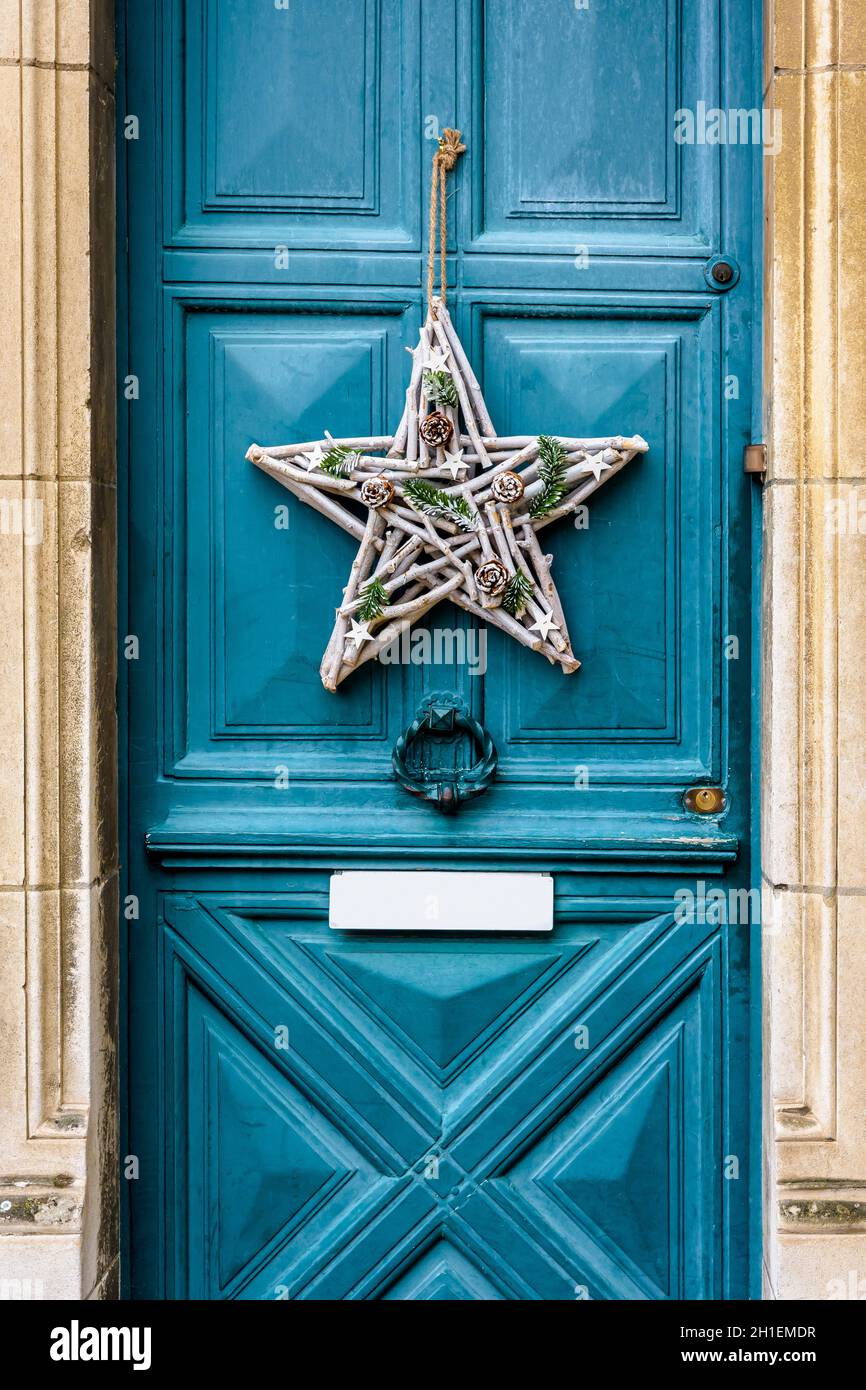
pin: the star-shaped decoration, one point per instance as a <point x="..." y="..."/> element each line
<point x="446" y="508"/>
<point x="596" y="466"/>
<point x="313" y="459"/>
<point x="360" y="634"/>
<point x="435" y="359"/>
<point x="545" y="625"/>
<point x="455" y="464"/>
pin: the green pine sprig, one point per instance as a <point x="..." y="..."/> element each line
<point x="518" y="592"/>
<point x="439" y="389"/>
<point x="551" y="471"/>
<point x="443" y="506"/>
<point x="339" y="460"/>
<point x="374" y="600"/>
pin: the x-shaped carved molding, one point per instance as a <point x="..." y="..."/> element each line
<point x="524" y="1166"/>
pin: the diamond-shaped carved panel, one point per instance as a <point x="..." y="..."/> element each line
<point x="443" y="1001"/>
<point x="301" y="1172"/>
<point x="443" y="1274"/>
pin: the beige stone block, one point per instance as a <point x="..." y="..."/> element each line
<point x="76" y="535"/>
<point x="15" y="518"/>
<point x="833" y="1050"/>
<point x="58" y="1029"/>
<point x="10" y="279"/>
<point x="56" y="33"/>
<point x="850" y="502"/>
<point x="781" y="957"/>
<point x="73" y="372"/>
<point x="785" y="281"/>
<point x="818" y="657"/>
<point x="43" y="741"/>
<point x="851" y="959"/>
<point x="819" y="269"/>
<point x="39" y="271"/>
<point x="13" y="1040"/>
<point x="67" y="32"/>
<point x="87" y="681"/>
<point x="800" y="989"/>
<point x="103" y="342"/>
<point x="852" y="32"/>
<point x="73" y="32"/>
<point x="780" y="683"/>
<point x="10" y="33"/>
<point x="803" y="33"/>
<point x="44" y="1038"/>
<point x="783" y="33"/>
<point x="57" y="1039"/>
<point x="820" y="1267"/>
<point x="40" y="1267"/>
<point x="815" y="364"/>
<point x="38" y="31"/>
<point x="103" y="721"/>
<point x="102" y="1201"/>
<point x="37" y="1140"/>
<point x="79" y="909"/>
<point x="852" y="269"/>
<point x="799" y="684"/>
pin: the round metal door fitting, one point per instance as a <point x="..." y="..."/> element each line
<point x="445" y="756"/>
<point x="705" y="801"/>
<point x="721" y="272"/>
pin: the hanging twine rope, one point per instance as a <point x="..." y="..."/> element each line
<point x="444" y="160"/>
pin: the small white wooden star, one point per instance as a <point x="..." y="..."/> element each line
<point x="435" y="360"/>
<point x="596" y="466"/>
<point x="423" y="539"/>
<point x="455" y="464"/>
<point x="544" y="626"/>
<point x="360" y="634"/>
<point x="313" y="459"/>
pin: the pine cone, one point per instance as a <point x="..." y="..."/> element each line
<point x="507" y="487"/>
<point x="377" y="491"/>
<point x="436" y="429"/>
<point x="491" y="577"/>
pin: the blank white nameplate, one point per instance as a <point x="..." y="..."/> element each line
<point x="428" y="900"/>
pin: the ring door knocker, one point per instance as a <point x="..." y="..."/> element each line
<point x="445" y="755"/>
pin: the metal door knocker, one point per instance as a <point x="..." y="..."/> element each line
<point x="445" y="755"/>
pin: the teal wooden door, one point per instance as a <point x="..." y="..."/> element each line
<point x="429" y="1116"/>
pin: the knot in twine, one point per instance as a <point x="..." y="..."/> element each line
<point x="445" y="158"/>
<point x="450" y="149"/>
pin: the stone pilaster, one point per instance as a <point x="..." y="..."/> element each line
<point x="58" y="838"/>
<point x="814" y="734"/>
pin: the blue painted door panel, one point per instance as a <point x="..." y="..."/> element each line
<point x="432" y="1112"/>
<point x="435" y="1117"/>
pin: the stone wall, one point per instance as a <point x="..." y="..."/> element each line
<point x="814" y="623"/>
<point x="58" y="837"/>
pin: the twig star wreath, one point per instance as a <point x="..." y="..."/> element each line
<point x="453" y="509"/>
